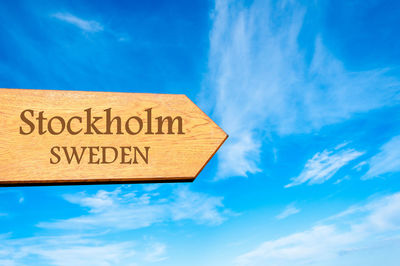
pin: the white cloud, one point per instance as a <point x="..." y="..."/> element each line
<point x="85" y="25"/>
<point x="324" y="165"/>
<point x="260" y="82"/>
<point x="357" y="228"/>
<point x="359" y="166"/>
<point x="156" y="252"/>
<point x="124" y="209"/>
<point x="386" y="161"/>
<point x="77" y="250"/>
<point x="85" y="240"/>
<point x="340" y="180"/>
<point x="288" y="211"/>
<point x="151" y="187"/>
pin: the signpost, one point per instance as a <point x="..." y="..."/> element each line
<point x="69" y="137"/>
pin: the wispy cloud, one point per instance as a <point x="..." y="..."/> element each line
<point x="324" y="165"/>
<point x="374" y="222"/>
<point x="260" y="81"/>
<point x="386" y="161"/>
<point x="340" y="180"/>
<point x="85" y="25"/>
<point x="288" y="211"/>
<point x="78" y="250"/>
<point x="156" y="252"/>
<point x="125" y="209"/>
<point x="359" y="166"/>
<point x="84" y="240"/>
<point x="121" y="210"/>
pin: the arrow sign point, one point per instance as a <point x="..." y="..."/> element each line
<point x="70" y="137"/>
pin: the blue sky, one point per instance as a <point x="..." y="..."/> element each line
<point x="308" y="92"/>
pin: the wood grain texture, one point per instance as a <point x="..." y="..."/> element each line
<point x="25" y="159"/>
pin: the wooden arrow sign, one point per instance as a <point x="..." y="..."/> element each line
<point x="69" y="137"/>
